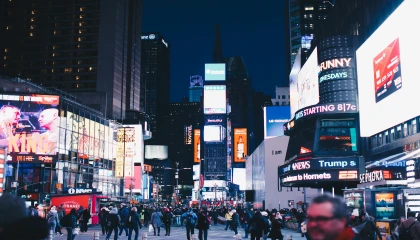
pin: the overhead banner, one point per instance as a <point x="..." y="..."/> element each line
<point x="240" y="144"/>
<point x="197" y="146"/>
<point x="126" y="142"/>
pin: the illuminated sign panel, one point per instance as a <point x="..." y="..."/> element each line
<point x="156" y="152"/>
<point x="274" y="119"/>
<point x="387" y="73"/>
<point x="215" y="72"/>
<point x="126" y="143"/>
<point x="327" y="109"/>
<point x="215" y="99"/>
<point x="196" y="172"/>
<point x="29" y="127"/>
<point x="197" y="146"/>
<point x="307" y="86"/>
<point x="240" y="143"/>
<point x="188" y="135"/>
<point x="327" y="176"/>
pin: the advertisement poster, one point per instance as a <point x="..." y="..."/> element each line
<point x="215" y="99"/>
<point x="240" y="143"/>
<point x="215" y="72"/>
<point x="384" y="228"/>
<point x="307" y="84"/>
<point x="384" y="205"/>
<point x="29" y="127"/>
<point x="69" y="202"/>
<point x="197" y="146"/>
<point x="274" y="119"/>
<point x="387" y="71"/>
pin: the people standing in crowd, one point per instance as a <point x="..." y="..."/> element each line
<point x="84" y="219"/>
<point x="123" y="212"/>
<point x="72" y="224"/>
<point x="103" y="216"/>
<point x="214" y="215"/>
<point x="113" y="222"/>
<point x="276" y="225"/>
<point x="203" y="223"/>
<point x="167" y="220"/>
<point x="156" y="221"/>
<point x="367" y="229"/>
<point x="228" y="218"/>
<point x="300" y="217"/>
<point x="177" y="213"/>
<point x="133" y="223"/>
<point x="245" y="220"/>
<point x="328" y="219"/>
<point x="267" y="223"/>
<point x="60" y="214"/>
<point x="190" y="221"/>
<point x="235" y="221"/>
<point x="147" y="216"/>
<point x="256" y="226"/>
<point x="52" y="219"/>
<point x="412" y="225"/>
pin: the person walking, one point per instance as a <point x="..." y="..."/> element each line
<point x="133" y="223"/>
<point x="203" y="224"/>
<point x="235" y="221"/>
<point x="214" y="215"/>
<point x="167" y="220"/>
<point x="103" y="216"/>
<point x="412" y="225"/>
<point x="52" y="218"/>
<point x="123" y="216"/>
<point x="71" y="227"/>
<point x="228" y="218"/>
<point x="147" y="216"/>
<point x="113" y="222"/>
<point x="245" y="218"/>
<point x="85" y="216"/>
<point x="256" y="226"/>
<point x="276" y="225"/>
<point x="178" y="213"/>
<point x="367" y="229"/>
<point x="156" y="221"/>
<point x="300" y="217"/>
<point x="190" y="222"/>
<point x="60" y="214"/>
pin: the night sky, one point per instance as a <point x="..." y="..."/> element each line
<point x="251" y="29"/>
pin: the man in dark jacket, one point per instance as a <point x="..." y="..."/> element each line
<point x="113" y="222"/>
<point x="167" y="220"/>
<point x="415" y="226"/>
<point x="256" y="226"/>
<point x="85" y="216"/>
<point x="74" y="215"/>
<point x="235" y="221"/>
<point x="103" y="216"/>
<point x="133" y="223"/>
<point x="123" y="216"/>
<point x="203" y="224"/>
<point x="367" y="228"/>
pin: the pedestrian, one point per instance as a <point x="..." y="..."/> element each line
<point x="133" y="223"/>
<point x="52" y="219"/>
<point x="214" y="215"/>
<point x="412" y="225"/>
<point x="235" y="221"/>
<point x="113" y="222"/>
<point x="267" y="224"/>
<point x="123" y="216"/>
<point x="190" y="222"/>
<point x="367" y="230"/>
<point x="328" y="219"/>
<point x="85" y="216"/>
<point x="147" y="216"/>
<point x="71" y="227"/>
<point x="256" y="226"/>
<point x="103" y="216"/>
<point x="178" y="214"/>
<point x="300" y="217"/>
<point x="276" y="225"/>
<point x="167" y="220"/>
<point x="60" y="214"/>
<point x="245" y="218"/>
<point x="203" y="224"/>
<point x="228" y="217"/>
<point x="156" y="221"/>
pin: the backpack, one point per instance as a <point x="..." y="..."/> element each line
<point x="66" y="221"/>
<point x="405" y="232"/>
<point x="190" y="219"/>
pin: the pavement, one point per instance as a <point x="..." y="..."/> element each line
<point x="216" y="232"/>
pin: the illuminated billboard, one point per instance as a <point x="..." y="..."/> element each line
<point x="274" y="119"/>
<point x="215" y="72"/>
<point x="214" y="133"/>
<point x="215" y="99"/>
<point x="29" y="127"/>
<point x="156" y="152"/>
<point x="387" y="73"/>
<point x="293" y="79"/>
<point x="197" y="146"/>
<point x="239" y="178"/>
<point x="126" y="143"/>
<point x="188" y="134"/>
<point x="196" y="172"/>
<point x="240" y="144"/>
<point x="307" y="83"/>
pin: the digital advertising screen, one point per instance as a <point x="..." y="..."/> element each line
<point x="274" y="119"/>
<point x="196" y="172"/>
<point x="240" y="144"/>
<point x="213" y="133"/>
<point x="384" y="205"/>
<point x="29" y="127"/>
<point x="307" y="83"/>
<point x="215" y="72"/>
<point x="293" y="80"/>
<point x="387" y="73"/>
<point x="156" y="152"/>
<point x="239" y="178"/>
<point x="188" y="134"/>
<point x="215" y="99"/>
<point x="197" y="146"/>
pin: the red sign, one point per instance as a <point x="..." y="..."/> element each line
<point x="69" y="202"/>
<point x="201" y="181"/>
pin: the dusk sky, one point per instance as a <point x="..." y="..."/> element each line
<point x="251" y="29"/>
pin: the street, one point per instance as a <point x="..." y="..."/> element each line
<point x="215" y="233"/>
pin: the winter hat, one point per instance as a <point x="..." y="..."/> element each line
<point x="264" y="213"/>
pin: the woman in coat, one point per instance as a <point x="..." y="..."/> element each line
<point x="52" y="218"/>
<point x="73" y="214"/>
<point x="156" y="221"/>
<point x="133" y="223"/>
<point x="276" y="225"/>
<point x="203" y="224"/>
<point x="256" y="226"/>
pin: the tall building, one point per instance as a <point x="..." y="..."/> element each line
<point x="90" y="48"/>
<point x="306" y="18"/>
<point x="282" y="97"/>
<point x="184" y="117"/>
<point x="155" y="83"/>
<point x="196" y="88"/>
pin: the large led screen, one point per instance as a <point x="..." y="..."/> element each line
<point x="215" y="99"/>
<point x="29" y="127"/>
<point x="156" y="152"/>
<point x="307" y="83"/>
<point x="213" y="133"/>
<point x="293" y="84"/>
<point x="196" y="172"/>
<point x="387" y="72"/>
<point x="240" y="144"/>
<point x="197" y="146"/>
<point x="274" y="119"/>
<point x="215" y="72"/>
<point x="239" y="177"/>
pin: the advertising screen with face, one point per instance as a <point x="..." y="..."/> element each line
<point x="29" y="127"/>
<point x="387" y="73"/>
<point x="307" y="84"/>
<point x="215" y="99"/>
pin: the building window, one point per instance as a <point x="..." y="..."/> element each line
<point x="6" y="50"/>
<point x="309" y="8"/>
<point x="405" y="130"/>
<point x="413" y="127"/>
<point x="278" y="96"/>
<point x="386" y="136"/>
<point x="380" y="143"/>
<point x="31" y="34"/>
<point x="337" y="136"/>
<point x="373" y="141"/>
<point x="392" y="135"/>
<point x="283" y="96"/>
<point x="68" y="70"/>
<point x="398" y="133"/>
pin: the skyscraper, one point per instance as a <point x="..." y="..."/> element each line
<point x="90" y="48"/>
<point x="155" y="83"/>
<point x="196" y="88"/>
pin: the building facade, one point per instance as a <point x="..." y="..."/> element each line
<point x="282" y="97"/>
<point x="195" y="92"/>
